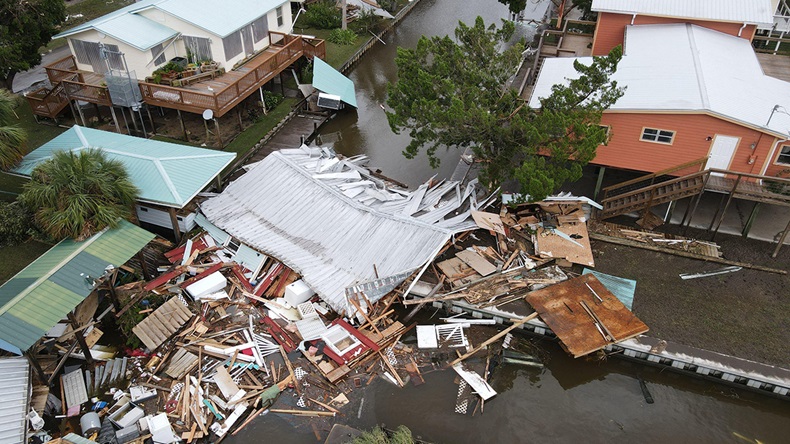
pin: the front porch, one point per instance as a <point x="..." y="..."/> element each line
<point x="219" y="94"/>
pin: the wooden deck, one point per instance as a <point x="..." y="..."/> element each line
<point x="220" y="94"/>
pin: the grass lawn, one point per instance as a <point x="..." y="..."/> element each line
<point x="88" y="10"/>
<point x="37" y="135"/>
<point x="244" y="142"/>
<point x="17" y="257"/>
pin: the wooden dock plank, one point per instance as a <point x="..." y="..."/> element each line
<point x="162" y="323"/>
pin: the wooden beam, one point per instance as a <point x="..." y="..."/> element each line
<point x="629" y="243"/>
<point x="174" y="222"/>
<point x="86" y="351"/>
<point x="495" y="338"/>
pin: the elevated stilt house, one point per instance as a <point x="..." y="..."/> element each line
<point x="699" y="112"/>
<point x="225" y="52"/>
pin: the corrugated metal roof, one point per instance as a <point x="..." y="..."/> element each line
<point x="137" y="31"/>
<point x="683" y="67"/>
<point x="739" y="11"/>
<point x="331" y="81"/>
<point x="331" y="222"/>
<point x="14" y="399"/>
<point x="218" y="17"/>
<point x="43" y="293"/>
<point x="214" y="16"/>
<point x="166" y="173"/>
<point x="126" y="26"/>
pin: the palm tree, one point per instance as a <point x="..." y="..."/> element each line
<point x="76" y="194"/>
<point x="12" y="137"/>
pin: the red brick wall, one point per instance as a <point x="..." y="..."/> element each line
<point x="610" y="29"/>
<point x="625" y="149"/>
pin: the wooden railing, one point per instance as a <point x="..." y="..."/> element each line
<point x="650" y="179"/>
<point x="61" y="69"/>
<point x="289" y="48"/>
<point x="86" y="92"/>
<point x="48" y="102"/>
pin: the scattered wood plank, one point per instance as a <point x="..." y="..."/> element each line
<point x="160" y="325"/>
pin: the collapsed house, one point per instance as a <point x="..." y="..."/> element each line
<point x="345" y="231"/>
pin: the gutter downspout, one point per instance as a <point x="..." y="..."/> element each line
<point x="633" y="17"/>
<point x="742" y="28"/>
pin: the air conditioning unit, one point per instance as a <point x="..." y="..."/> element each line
<point x="329" y="101"/>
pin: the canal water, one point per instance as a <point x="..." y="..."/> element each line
<point x="568" y="400"/>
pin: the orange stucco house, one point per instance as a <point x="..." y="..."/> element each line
<point x="691" y="92"/>
<point x="740" y="18"/>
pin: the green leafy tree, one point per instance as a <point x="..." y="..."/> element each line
<point x="13" y="138"/>
<point x="515" y="6"/>
<point x="453" y="93"/>
<point x="76" y="194"/>
<point x="25" y="26"/>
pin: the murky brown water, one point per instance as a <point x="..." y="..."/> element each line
<point x="367" y="131"/>
<point x="568" y="401"/>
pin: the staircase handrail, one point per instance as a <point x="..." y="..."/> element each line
<point x="656" y="185"/>
<point x="663" y="172"/>
<point x="750" y="175"/>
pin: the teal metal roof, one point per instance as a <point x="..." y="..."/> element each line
<point x="623" y="288"/>
<point x="128" y="27"/>
<point x="165" y="173"/>
<point x="331" y="81"/>
<point x="40" y="295"/>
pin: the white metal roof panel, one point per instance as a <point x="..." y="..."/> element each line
<point x="283" y="208"/>
<point x="739" y="11"/>
<point x="218" y="17"/>
<point x="687" y="68"/>
<point x="14" y="399"/>
<point x="136" y="30"/>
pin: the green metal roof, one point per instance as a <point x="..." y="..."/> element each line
<point x="40" y="295"/>
<point x="331" y="81"/>
<point x="166" y="173"/>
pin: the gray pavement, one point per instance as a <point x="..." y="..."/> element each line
<point x="26" y="80"/>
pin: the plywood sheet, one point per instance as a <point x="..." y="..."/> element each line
<point x="560" y="308"/>
<point x="162" y="323"/>
<point x="477" y="262"/>
<point x="550" y="244"/>
<point x="488" y="221"/>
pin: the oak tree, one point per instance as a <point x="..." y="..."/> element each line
<point x="455" y="93"/>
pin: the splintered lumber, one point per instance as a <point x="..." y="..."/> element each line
<point x="160" y="325"/>
<point x="181" y="363"/>
<point x="494" y="338"/>
<point x="303" y="412"/>
<point x="631" y="243"/>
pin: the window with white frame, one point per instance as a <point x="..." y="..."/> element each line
<point x="280" y="20"/>
<point x="657" y="135"/>
<point x="158" y="52"/>
<point x="784" y="155"/>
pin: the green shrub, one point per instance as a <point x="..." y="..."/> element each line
<point x="15" y="223"/>
<point x="271" y="100"/>
<point x="342" y="36"/>
<point x="366" y="22"/>
<point x="323" y="15"/>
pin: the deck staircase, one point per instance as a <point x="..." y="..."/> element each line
<point x="644" y="192"/>
<point x="48" y="102"/>
<point x="653" y="189"/>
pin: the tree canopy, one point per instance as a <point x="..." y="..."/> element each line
<point x="78" y="194"/>
<point x="454" y="93"/>
<point x="13" y="138"/>
<point x="27" y="25"/>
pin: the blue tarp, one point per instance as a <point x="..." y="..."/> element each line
<point x="329" y="80"/>
<point x="623" y="288"/>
